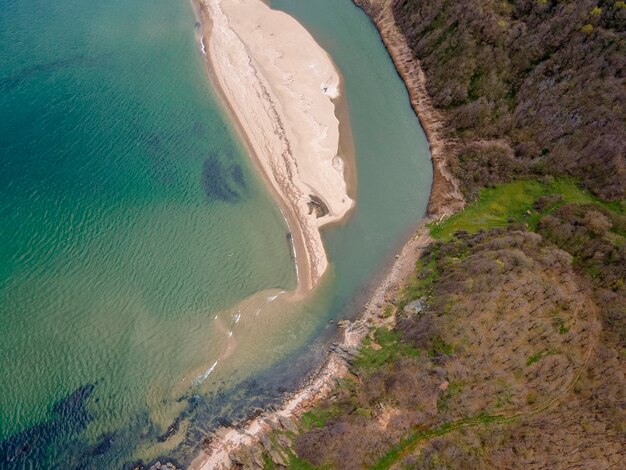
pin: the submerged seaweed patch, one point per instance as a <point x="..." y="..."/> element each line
<point x="81" y="60"/>
<point x="223" y="182"/>
<point x="69" y="417"/>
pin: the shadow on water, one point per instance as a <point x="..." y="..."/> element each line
<point x="82" y="60"/>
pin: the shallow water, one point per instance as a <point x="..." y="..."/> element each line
<point x="130" y="217"/>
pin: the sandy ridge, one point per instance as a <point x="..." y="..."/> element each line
<point x="280" y="86"/>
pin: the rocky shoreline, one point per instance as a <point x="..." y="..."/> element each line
<point x="243" y="444"/>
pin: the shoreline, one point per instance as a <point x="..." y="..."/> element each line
<point x="297" y="235"/>
<point x="221" y="452"/>
<point x="445" y="199"/>
<point x="300" y="178"/>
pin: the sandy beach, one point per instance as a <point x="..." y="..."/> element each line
<point x="282" y="88"/>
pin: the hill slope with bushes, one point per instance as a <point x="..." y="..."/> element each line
<point x="526" y="87"/>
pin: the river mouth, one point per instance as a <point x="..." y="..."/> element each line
<point x="126" y="381"/>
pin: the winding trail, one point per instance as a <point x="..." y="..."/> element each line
<point x="410" y="443"/>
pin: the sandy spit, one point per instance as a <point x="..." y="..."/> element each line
<point x="281" y="88"/>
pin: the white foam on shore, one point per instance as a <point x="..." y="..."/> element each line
<point x="271" y="298"/>
<point x="202" y="46"/>
<point x="293" y="247"/>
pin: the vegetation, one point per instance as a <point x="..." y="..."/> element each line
<point x="526" y="87"/>
<point x="523" y="202"/>
<point x="385" y="348"/>
<point x="522" y="332"/>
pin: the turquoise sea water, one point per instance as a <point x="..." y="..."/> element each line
<point x="130" y="216"/>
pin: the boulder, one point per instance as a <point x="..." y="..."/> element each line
<point x="415" y="307"/>
<point x="286" y="423"/>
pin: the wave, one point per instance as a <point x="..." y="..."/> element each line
<point x="202" y="377"/>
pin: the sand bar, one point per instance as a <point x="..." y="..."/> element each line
<point x="281" y="87"/>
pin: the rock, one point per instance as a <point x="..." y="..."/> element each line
<point x="267" y="444"/>
<point x="284" y="441"/>
<point x="277" y="458"/>
<point x="343" y="324"/>
<point x="345" y="353"/>
<point x="286" y="423"/>
<point x="415" y="307"/>
<point x="440" y="371"/>
<point x="272" y="424"/>
<point x="444" y="386"/>
<point x="171" y="430"/>
<point x="250" y="457"/>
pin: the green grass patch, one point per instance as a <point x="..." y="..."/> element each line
<point x="391" y="348"/>
<point x="562" y="327"/>
<point x="439" y="347"/>
<point x="296" y="463"/>
<point x="420" y="285"/>
<point x="534" y="358"/>
<point x="494" y="207"/>
<point x="318" y="417"/>
<point x="388" y="311"/>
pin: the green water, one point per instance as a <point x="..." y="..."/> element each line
<point x="130" y="216"/>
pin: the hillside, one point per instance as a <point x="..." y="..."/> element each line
<point x="526" y="87"/>
<point x="507" y="352"/>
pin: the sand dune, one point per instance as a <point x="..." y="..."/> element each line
<point x="280" y="86"/>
